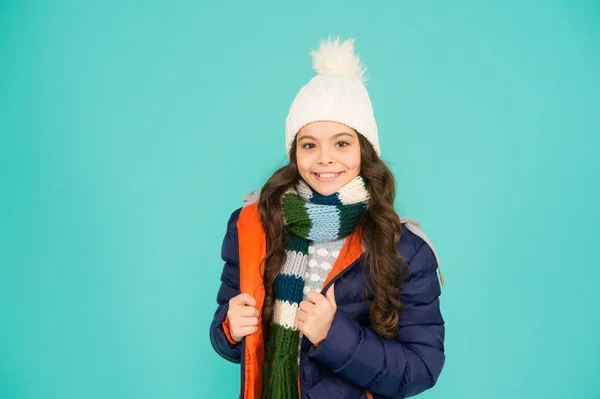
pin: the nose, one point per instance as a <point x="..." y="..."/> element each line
<point x="325" y="157"/>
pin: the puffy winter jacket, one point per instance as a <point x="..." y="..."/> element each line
<point x="352" y="361"/>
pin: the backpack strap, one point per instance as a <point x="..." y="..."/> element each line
<point x="415" y="228"/>
<point x="251" y="197"/>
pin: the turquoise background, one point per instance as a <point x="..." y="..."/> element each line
<point x="129" y="132"/>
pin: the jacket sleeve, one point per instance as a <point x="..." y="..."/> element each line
<point x="230" y="287"/>
<point x="401" y="367"/>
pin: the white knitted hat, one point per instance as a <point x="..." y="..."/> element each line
<point x="336" y="94"/>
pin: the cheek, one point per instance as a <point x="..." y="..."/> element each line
<point x="353" y="160"/>
<point x="304" y="163"/>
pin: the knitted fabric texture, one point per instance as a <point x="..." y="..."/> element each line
<point x="321" y="258"/>
<point x="308" y="216"/>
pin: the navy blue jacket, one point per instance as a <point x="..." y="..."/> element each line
<point x="353" y="358"/>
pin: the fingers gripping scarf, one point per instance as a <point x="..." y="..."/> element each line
<point x="308" y="216"/>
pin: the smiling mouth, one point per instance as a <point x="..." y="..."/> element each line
<point x="326" y="177"/>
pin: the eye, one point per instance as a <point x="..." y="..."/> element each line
<point x="342" y="143"/>
<point x="308" y="146"/>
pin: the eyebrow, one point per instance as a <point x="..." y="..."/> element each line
<point x="335" y="136"/>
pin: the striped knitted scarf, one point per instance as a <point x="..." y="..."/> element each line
<point x="308" y="216"/>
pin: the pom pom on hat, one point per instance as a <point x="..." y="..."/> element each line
<point x="337" y="93"/>
<point x="339" y="58"/>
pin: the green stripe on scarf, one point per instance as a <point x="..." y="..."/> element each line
<point x="294" y="210"/>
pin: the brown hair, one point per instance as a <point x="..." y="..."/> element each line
<point x="381" y="231"/>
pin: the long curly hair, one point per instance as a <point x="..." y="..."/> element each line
<point x="381" y="231"/>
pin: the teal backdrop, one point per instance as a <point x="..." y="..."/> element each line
<point x="130" y="130"/>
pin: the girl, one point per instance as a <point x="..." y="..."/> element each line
<point x="326" y="293"/>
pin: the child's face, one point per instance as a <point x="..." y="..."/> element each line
<point x="328" y="155"/>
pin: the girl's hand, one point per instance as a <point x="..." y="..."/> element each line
<point x="315" y="315"/>
<point x="243" y="316"/>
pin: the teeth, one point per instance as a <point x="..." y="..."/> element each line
<point x="327" y="175"/>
